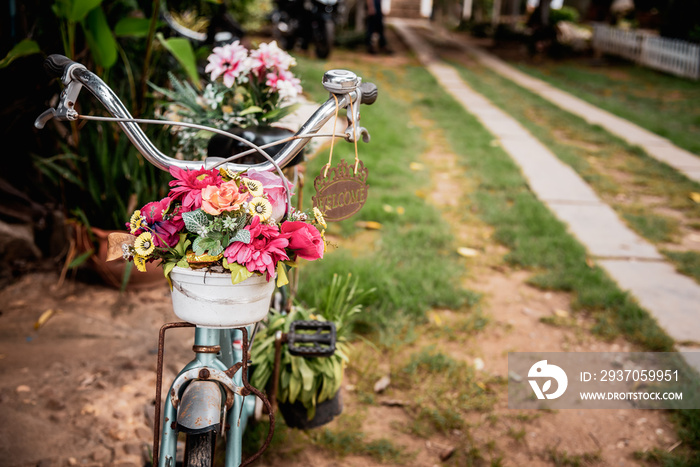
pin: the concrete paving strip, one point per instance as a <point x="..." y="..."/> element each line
<point x="671" y="298"/>
<point x="656" y="146"/>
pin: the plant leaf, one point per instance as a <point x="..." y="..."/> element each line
<point x="196" y="221"/>
<point x="181" y="49"/>
<point x="282" y="279"/>
<point x="294" y="387"/>
<point x="132" y="27"/>
<point x="250" y="110"/>
<point x="239" y="273"/>
<point x="24" y="48"/>
<point x="100" y="38"/>
<point x="242" y="236"/>
<point x="203" y="244"/>
<point x="307" y="375"/>
<point x="81" y="259"/>
<point x="78" y="9"/>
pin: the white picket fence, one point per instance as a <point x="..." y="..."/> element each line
<point x="670" y="55"/>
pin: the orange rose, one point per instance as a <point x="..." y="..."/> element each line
<point x="226" y="197"/>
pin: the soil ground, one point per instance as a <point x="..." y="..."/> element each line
<point x="80" y="389"/>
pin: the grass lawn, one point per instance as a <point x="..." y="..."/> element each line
<point x="661" y="103"/>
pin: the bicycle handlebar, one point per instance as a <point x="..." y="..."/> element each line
<point x="345" y="87"/>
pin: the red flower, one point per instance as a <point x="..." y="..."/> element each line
<point x="164" y="224"/>
<point x="304" y="239"/>
<point x="188" y="185"/>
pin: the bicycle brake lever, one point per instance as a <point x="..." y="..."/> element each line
<point x="354" y="131"/>
<point x="57" y="65"/>
<point x="45" y="116"/>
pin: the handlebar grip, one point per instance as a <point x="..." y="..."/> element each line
<point x="55" y="65"/>
<point x="369" y="93"/>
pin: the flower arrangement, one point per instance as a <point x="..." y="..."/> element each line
<point x="245" y="88"/>
<point x="224" y="221"/>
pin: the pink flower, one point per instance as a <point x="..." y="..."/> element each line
<point x="188" y="185"/>
<point x="285" y="84"/>
<point x="304" y="240"/>
<point x="273" y="187"/>
<point x="225" y="197"/>
<point x="230" y="60"/>
<point x="268" y="56"/>
<point x="164" y="225"/>
<point x="264" y="251"/>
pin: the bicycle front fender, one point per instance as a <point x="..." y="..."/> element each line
<point x="200" y="408"/>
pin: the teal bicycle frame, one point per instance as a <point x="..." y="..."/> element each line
<point x="219" y="359"/>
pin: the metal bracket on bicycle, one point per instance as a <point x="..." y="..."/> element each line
<point x="311" y="338"/>
<point x="207" y="374"/>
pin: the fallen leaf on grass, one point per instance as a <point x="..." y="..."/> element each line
<point x="416" y="166"/>
<point x="695" y="196"/>
<point x="467" y="252"/>
<point x="369" y="225"/>
<point x="382" y="384"/>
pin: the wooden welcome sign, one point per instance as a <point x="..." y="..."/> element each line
<point x="341" y="192"/>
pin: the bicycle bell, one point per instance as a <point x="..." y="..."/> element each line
<point x="340" y="81"/>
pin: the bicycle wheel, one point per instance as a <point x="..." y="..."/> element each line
<point x="199" y="449"/>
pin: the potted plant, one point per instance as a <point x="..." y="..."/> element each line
<point x="237" y="226"/>
<point x="247" y="91"/>
<point x="308" y="390"/>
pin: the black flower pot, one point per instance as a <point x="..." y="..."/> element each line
<point x="296" y="416"/>
<point x="222" y="146"/>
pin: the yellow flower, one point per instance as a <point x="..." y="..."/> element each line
<point x="136" y="221"/>
<point x="254" y="187"/>
<point x="144" y="245"/>
<point x="140" y="263"/>
<point x="319" y="217"/>
<point x="260" y="207"/>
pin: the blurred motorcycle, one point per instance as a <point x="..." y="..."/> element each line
<point x="306" y="22"/>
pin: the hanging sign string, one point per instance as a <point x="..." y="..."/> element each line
<point x="354" y="133"/>
<point x="335" y="121"/>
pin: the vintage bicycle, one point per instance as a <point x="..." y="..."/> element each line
<point x="211" y="395"/>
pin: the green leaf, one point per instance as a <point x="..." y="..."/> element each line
<point x="242" y="236"/>
<point x="77" y="10"/>
<point x="80" y="259"/>
<point x="307" y="375"/>
<point x="294" y="387"/>
<point x="253" y="109"/>
<point x="181" y="49"/>
<point x="196" y="221"/>
<point x="127" y="274"/>
<point x="100" y="38"/>
<point x="203" y="244"/>
<point x="182" y="245"/>
<point x="238" y="273"/>
<point x="24" y="48"/>
<point x="168" y="267"/>
<point x="183" y="263"/>
<point x="132" y="27"/>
